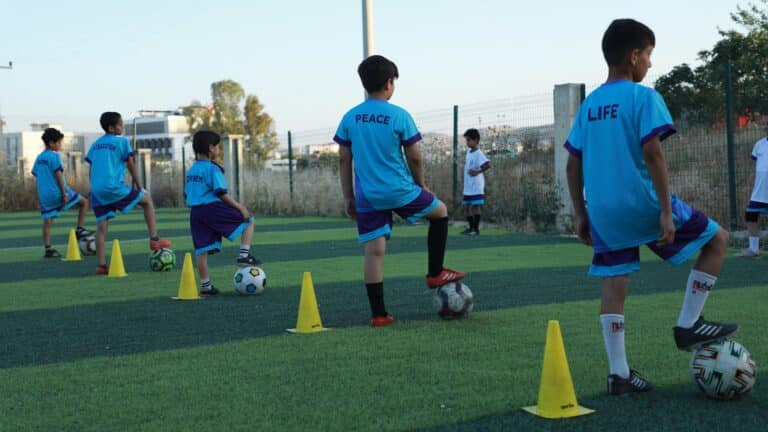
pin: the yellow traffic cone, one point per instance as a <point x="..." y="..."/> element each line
<point x="309" y="315"/>
<point x="73" y="250"/>
<point x="188" y="283"/>
<point x="116" y="267"/>
<point x="557" y="399"/>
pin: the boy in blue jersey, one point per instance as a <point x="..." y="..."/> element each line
<point x="53" y="191"/>
<point x="617" y="162"/>
<point x="109" y="156"/>
<point x="213" y="212"/>
<point x="373" y="133"/>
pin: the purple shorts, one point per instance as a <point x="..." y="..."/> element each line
<point x="690" y="237"/>
<point x="124" y="205"/>
<point x="74" y="199"/>
<point x="473" y="199"/>
<point x="377" y="223"/>
<point x="210" y="222"/>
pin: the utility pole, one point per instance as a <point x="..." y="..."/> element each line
<point x="2" y="122"/>
<point x="367" y="33"/>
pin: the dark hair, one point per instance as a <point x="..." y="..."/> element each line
<point x="109" y="118"/>
<point x="203" y="139"/>
<point x="623" y="36"/>
<point x="473" y="134"/>
<point x="51" y="135"/>
<point x="375" y="71"/>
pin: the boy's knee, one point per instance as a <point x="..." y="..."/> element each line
<point x="720" y="240"/>
<point x="440" y="211"/>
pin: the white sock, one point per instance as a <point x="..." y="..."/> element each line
<point x="754" y="244"/>
<point x="696" y="293"/>
<point x="205" y="283"/>
<point x="613" y="335"/>
<point x="245" y="249"/>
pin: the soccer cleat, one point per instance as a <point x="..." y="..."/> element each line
<point x="158" y="244"/>
<point x="466" y="231"/>
<point x="83" y="233"/>
<point x="248" y="261"/>
<point x="102" y="269"/>
<point x="748" y="253"/>
<point x="445" y="276"/>
<point x="473" y="233"/>
<point x="633" y="384"/>
<point x="212" y="291"/>
<point x="52" y="253"/>
<point x="701" y="333"/>
<point x="382" y="321"/>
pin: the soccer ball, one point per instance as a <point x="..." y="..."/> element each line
<point x="250" y="280"/>
<point x="723" y="370"/>
<point x="453" y="301"/>
<point x="87" y="245"/>
<point x="162" y="260"/>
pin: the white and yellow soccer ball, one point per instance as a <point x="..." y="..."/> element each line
<point x="250" y="280"/>
<point x="723" y="370"/>
<point x="87" y="245"/>
<point x="453" y="301"/>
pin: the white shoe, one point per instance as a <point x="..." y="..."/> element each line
<point x="748" y="253"/>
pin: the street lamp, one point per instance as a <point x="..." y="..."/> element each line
<point x="2" y="122"/>
<point x="10" y="66"/>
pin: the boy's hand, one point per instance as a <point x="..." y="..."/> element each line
<point x="667" y="229"/>
<point x="64" y="199"/>
<point x="244" y="211"/>
<point x="582" y="229"/>
<point x="349" y="208"/>
<point x="474" y="172"/>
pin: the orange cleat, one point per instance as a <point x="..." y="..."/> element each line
<point x="158" y="244"/>
<point x="102" y="270"/>
<point x="382" y="321"/>
<point x="445" y="276"/>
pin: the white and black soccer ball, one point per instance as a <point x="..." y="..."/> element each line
<point x="453" y="301"/>
<point x="723" y="370"/>
<point x="250" y="280"/>
<point x="87" y="245"/>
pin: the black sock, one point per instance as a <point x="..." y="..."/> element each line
<point x="155" y="238"/>
<point x="79" y="228"/>
<point x="436" y="239"/>
<point x="477" y="222"/>
<point x="47" y="247"/>
<point x="376" y="299"/>
<point x="470" y="221"/>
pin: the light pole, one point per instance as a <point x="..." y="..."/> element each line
<point x="367" y="33"/>
<point x="2" y="122"/>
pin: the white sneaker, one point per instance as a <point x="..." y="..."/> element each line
<point x="748" y="253"/>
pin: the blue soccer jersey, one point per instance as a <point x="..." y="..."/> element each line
<point x="205" y="183"/>
<point x="608" y="135"/>
<point x="107" y="157"/>
<point x="375" y="131"/>
<point x="45" y="168"/>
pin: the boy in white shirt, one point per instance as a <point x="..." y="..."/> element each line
<point x="758" y="202"/>
<point x="475" y="165"/>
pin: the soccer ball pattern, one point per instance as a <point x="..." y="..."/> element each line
<point x="250" y="280"/>
<point x="723" y="370"/>
<point x="87" y="245"/>
<point x="162" y="260"/>
<point x="453" y="301"/>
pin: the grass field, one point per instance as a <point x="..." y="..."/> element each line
<point x="87" y="353"/>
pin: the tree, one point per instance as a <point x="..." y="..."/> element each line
<point x="262" y="139"/>
<point x="698" y="95"/>
<point x="227" y="96"/>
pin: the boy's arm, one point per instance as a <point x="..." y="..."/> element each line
<point x="60" y="182"/>
<point x="345" y="170"/>
<point x="416" y="164"/>
<point x="575" y="175"/>
<point x="132" y="169"/>
<point x="483" y="168"/>
<point x="228" y="200"/>
<point x="657" y="169"/>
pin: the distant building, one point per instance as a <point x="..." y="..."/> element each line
<point x="163" y="132"/>
<point x="21" y="148"/>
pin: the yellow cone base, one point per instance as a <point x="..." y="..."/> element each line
<point x="188" y="283"/>
<point x="308" y="320"/>
<point x="557" y="398"/>
<point x="73" y="250"/>
<point x="116" y="266"/>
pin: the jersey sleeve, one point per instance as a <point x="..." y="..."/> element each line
<point x="754" y="150"/>
<point x="125" y="149"/>
<point x="217" y="181"/>
<point x="55" y="163"/>
<point x="654" y="118"/>
<point x="482" y="160"/>
<point x="342" y="137"/>
<point x="406" y="130"/>
<point x="574" y="144"/>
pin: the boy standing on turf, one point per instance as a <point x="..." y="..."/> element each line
<point x="616" y="158"/>
<point x="373" y="133"/>
<point x="108" y="157"/>
<point x="213" y="212"/>
<point x="475" y="164"/>
<point x="758" y="202"/>
<point x="54" y="193"/>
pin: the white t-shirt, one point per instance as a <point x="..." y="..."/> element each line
<point x="760" y="155"/>
<point x="474" y="185"/>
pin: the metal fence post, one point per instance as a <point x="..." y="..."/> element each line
<point x="455" y="157"/>
<point x="730" y="141"/>
<point x="290" y="165"/>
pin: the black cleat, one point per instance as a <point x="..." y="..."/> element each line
<point x="466" y="231"/>
<point x="473" y="233"/>
<point x="634" y="384"/>
<point x="248" y="261"/>
<point x="701" y="333"/>
<point x="212" y="291"/>
<point x="52" y="253"/>
<point x="81" y="233"/>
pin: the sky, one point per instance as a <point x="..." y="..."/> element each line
<point x="74" y="59"/>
